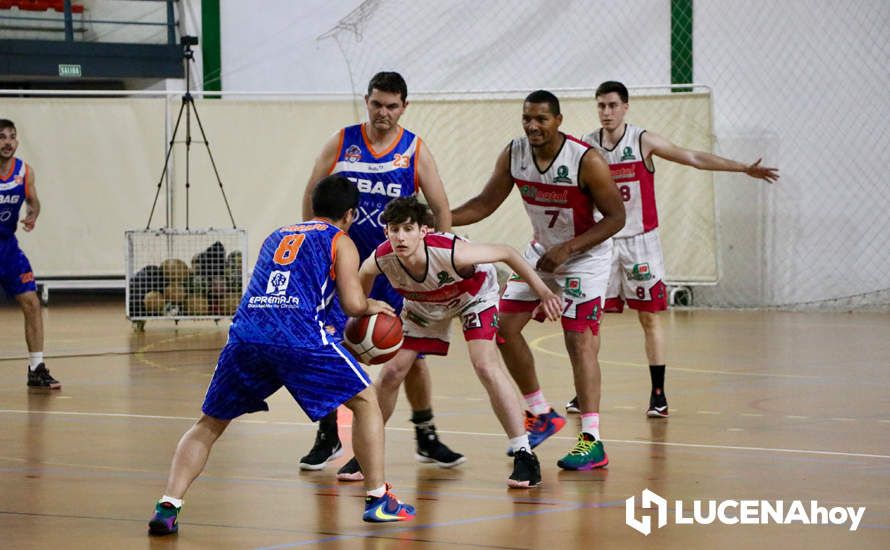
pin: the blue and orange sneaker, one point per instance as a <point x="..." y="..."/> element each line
<point x="386" y="508"/>
<point x="541" y="427"/>
<point x="165" y="520"/>
<point x="587" y="454"/>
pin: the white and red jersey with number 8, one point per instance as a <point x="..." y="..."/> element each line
<point x="558" y="207"/>
<point x="634" y="178"/>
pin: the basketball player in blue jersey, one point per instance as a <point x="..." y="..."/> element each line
<point x="17" y="187"/>
<point x="278" y="338"/>
<point x="384" y="161"/>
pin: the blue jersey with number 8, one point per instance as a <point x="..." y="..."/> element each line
<point x="292" y="285"/>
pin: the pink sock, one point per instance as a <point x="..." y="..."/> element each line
<point x="537" y="403"/>
<point x="590" y="423"/>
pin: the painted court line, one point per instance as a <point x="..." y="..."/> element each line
<point x="408" y="527"/>
<point x="536" y="345"/>
<point x="486" y="434"/>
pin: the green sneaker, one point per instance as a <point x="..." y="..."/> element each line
<point x="165" y="521"/>
<point x="587" y="455"/>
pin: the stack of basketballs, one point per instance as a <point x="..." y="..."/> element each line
<point x="211" y="287"/>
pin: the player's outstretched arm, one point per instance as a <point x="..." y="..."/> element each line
<point x="469" y="254"/>
<point x="432" y="187"/>
<point x="657" y="145"/>
<point x="349" y="283"/>
<point x="597" y="179"/>
<point x="324" y="165"/>
<point x="31" y="200"/>
<point x="367" y="273"/>
<point x="493" y="194"/>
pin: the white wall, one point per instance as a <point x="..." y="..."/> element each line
<point x="271" y="45"/>
<point x="453" y="45"/>
<point x="803" y="84"/>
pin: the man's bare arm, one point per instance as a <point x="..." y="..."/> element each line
<point x="323" y="166"/>
<point x="432" y="187"/>
<point x="657" y="145"/>
<point x="31" y="200"/>
<point x="353" y="298"/>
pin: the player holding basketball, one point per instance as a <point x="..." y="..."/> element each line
<point x="442" y="277"/>
<point x="17" y="187"/>
<point x="563" y="186"/>
<point x="277" y="338"/>
<point x="637" y="275"/>
<point x="385" y="161"/>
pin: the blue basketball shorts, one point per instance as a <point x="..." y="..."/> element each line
<point x="16" y="275"/>
<point x="320" y="379"/>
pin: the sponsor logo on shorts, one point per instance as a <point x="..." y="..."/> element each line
<point x="562" y="175"/>
<point x="639" y="272"/>
<point x="471" y="321"/>
<point x="573" y="287"/>
<point x="416" y="319"/>
<point x="26" y="278"/>
<point x="353" y="154"/>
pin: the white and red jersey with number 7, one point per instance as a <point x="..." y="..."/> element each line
<point x="634" y="178"/>
<point x="559" y="207"/>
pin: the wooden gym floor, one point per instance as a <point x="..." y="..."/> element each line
<point x="765" y="405"/>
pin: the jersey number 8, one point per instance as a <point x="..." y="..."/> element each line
<point x="625" y="192"/>
<point x="288" y="249"/>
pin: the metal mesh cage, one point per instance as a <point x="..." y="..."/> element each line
<point x="185" y="274"/>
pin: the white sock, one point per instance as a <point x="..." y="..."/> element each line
<point x="590" y="423"/>
<point x="537" y="403"/>
<point x="378" y="492"/>
<point x="34" y="360"/>
<point x="177" y="502"/>
<point x="520" y="442"/>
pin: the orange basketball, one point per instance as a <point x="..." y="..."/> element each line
<point x="373" y="339"/>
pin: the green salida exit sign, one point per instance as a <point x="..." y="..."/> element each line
<point x="70" y="71"/>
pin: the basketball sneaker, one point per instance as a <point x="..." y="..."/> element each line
<point x="541" y="427"/>
<point x="41" y="378"/>
<point x="526" y="471"/>
<point x="430" y="449"/>
<point x="658" y="405"/>
<point x="165" y="520"/>
<point x="572" y="406"/>
<point x="351" y="471"/>
<point x="327" y="447"/>
<point x="386" y="508"/>
<point x="587" y="454"/>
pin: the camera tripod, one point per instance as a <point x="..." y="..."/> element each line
<point x="188" y="107"/>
